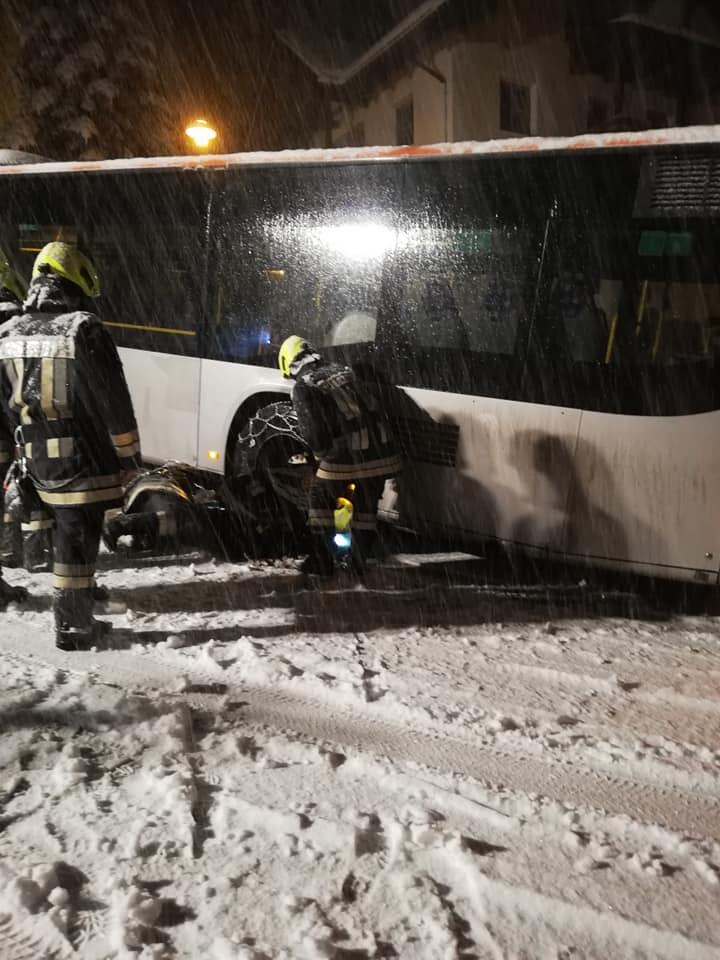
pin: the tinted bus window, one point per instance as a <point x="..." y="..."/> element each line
<point x="40" y="210"/>
<point x="630" y="305"/>
<point x="148" y="235"/>
<point x="145" y="232"/>
<point x="301" y="250"/>
<point x="464" y="278"/>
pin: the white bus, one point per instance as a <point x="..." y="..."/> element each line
<point x="552" y="305"/>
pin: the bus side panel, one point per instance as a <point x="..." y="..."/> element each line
<point x="647" y="491"/>
<point x="513" y="474"/>
<point x="164" y="389"/>
<point x="225" y="388"/>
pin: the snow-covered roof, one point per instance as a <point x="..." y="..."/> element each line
<point x="511" y="145"/>
<point x="15" y="157"/>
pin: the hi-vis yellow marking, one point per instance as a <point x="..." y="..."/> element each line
<point x="139" y="326"/>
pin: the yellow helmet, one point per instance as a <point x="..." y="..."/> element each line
<point x="66" y="261"/>
<point x="9" y="280"/>
<point x="290" y="350"/>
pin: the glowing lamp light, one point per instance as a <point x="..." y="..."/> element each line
<point x="343" y="541"/>
<point x="201" y="133"/>
<point x="358" y="241"/>
<point x="213" y="454"/>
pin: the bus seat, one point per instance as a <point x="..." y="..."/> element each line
<point x="357" y="326"/>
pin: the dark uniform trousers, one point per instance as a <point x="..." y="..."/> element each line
<point x="76" y="543"/>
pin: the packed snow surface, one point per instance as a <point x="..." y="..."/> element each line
<point x="265" y="773"/>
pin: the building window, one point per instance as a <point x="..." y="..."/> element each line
<point x="656" y="119"/>
<point x="405" y="122"/>
<point x="514" y="107"/>
<point x="597" y="115"/>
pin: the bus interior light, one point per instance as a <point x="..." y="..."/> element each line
<point x="360" y="241"/>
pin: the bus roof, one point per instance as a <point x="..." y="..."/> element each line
<point x="508" y="146"/>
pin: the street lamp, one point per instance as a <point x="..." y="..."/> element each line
<point x="201" y="133"/>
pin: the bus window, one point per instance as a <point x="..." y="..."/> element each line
<point x="300" y="251"/>
<point x="40" y="210"/>
<point x="147" y="236"/>
<point x="458" y="304"/>
<point x="627" y="320"/>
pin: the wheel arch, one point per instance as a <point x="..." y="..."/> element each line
<point x="244" y="412"/>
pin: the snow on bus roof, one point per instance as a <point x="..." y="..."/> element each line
<point x="510" y="145"/>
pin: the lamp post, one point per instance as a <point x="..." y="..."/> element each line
<point x="201" y="133"/>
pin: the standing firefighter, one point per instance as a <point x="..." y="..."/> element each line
<point x="11" y="297"/>
<point x="64" y="393"/>
<point x="341" y="419"/>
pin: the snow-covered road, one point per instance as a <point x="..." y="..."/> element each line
<point x="420" y="772"/>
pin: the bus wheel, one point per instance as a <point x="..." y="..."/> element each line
<point x="269" y="481"/>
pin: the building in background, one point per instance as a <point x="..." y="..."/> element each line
<point x="446" y="70"/>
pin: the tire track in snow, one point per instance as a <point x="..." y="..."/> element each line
<point x="597" y="933"/>
<point x="370" y="729"/>
<point x="651" y="710"/>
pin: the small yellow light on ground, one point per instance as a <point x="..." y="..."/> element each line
<point x="201" y="133"/>
<point x="213" y="455"/>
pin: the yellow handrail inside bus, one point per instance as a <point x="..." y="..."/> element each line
<point x="148" y="329"/>
<point x="611" y="338"/>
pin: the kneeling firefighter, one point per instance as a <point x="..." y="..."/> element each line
<point x="341" y="419"/>
<point x="63" y="392"/>
<point x="169" y="508"/>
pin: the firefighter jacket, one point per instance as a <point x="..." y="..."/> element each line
<point x="62" y="384"/>
<point x="341" y="419"/>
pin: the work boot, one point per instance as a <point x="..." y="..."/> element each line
<point x="320" y="562"/>
<point x="75" y="626"/>
<point x="10" y="594"/>
<point x="91" y="635"/>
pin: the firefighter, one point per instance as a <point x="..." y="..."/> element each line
<point x="63" y="391"/>
<point x="341" y="419"/>
<point x="168" y="507"/>
<point x="11" y="297"/>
